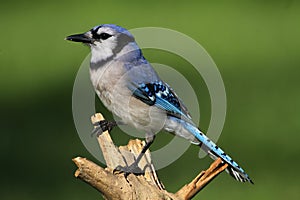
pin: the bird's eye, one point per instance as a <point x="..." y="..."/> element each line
<point x="104" y="36"/>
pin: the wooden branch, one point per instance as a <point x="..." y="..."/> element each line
<point x="190" y="190"/>
<point x="145" y="186"/>
<point x="116" y="186"/>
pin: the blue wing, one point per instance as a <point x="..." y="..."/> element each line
<point x="161" y="95"/>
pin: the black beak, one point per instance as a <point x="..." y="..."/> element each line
<point x="80" y="38"/>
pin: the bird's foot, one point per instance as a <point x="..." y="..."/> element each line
<point x="131" y="169"/>
<point x="103" y="126"/>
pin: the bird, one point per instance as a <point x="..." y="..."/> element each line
<point x="131" y="89"/>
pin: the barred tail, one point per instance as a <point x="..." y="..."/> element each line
<point x="215" y="152"/>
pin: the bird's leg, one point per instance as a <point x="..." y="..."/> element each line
<point x="104" y="125"/>
<point x="149" y="141"/>
<point x="134" y="168"/>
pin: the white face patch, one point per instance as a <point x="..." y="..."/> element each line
<point x="103" y="49"/>
<point x="108" y="43"/>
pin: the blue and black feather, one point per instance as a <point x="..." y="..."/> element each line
<point x="159" y="94"/>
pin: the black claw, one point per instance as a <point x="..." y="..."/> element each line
<point x="103" y="126"/>
<point x="97" y="131"/>
<point x="131" y="169"/>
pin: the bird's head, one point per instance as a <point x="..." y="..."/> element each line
<point x="105" y="41"/>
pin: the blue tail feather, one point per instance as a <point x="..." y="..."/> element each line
<point x="215" y="152"/>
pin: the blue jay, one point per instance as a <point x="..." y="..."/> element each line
<point x="129" y="87"/>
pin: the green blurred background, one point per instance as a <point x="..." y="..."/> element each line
<point x="255" y="45"/>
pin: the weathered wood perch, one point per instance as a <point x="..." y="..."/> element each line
<point x="145" y="186"/>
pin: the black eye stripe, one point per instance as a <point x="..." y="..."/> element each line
<point x="102" y="36"/>
<point x="94" y="32"/>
